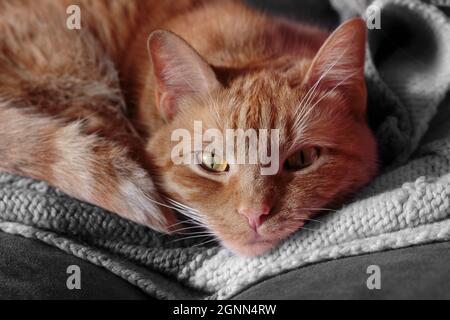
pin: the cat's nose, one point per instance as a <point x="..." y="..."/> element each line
<point x="255" y="216"/>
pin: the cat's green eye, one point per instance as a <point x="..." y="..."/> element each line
<point x="214" y="163"/>
<point x="302" y="159"/>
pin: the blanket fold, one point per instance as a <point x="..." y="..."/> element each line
<point x="407" y="70"/>
<point x="408" y="76"/>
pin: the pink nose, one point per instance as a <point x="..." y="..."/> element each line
<point x="255" y="216"/>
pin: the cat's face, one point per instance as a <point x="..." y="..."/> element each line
<point x="324" y="150"/>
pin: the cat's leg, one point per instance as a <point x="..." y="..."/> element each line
<point x="88" y="167"/>
<point x="62" y="115"/>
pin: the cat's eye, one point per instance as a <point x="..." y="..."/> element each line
<point x="302" y="159"/>
<point x="213" y="163"/>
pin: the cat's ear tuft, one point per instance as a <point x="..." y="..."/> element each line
<point x="339" y="64"/>
<point x="179" y="71"/>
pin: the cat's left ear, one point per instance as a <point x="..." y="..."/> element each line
<point x="339" y="64"/>
<point x="179" y="71"/>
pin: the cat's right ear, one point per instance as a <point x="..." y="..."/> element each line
<point x="179" y="71"/>
<point x="339" y="64"/>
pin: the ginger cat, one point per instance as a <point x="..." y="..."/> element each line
<point x="92" y="111"/>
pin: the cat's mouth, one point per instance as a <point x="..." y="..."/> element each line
<point x="261" y="241"/>
<point x="256" y="246"/>
<point x="253" y="248"/>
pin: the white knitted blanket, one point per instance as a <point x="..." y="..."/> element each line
<point x="407" y="205"/>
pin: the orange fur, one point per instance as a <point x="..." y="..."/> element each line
<point x="68" y="118"/>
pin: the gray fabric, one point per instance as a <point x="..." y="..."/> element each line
<point x="407" y="205"/>
<point x="407" y="71"/>
<point x="310" y="11"/>
<point x="419" y="272"/>
<point x="32" y="270"/>
<point x="440" y="126"/>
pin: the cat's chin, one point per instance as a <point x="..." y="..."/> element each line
<point x="252" y="248"/>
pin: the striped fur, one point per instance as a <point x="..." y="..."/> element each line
<point x="92" y="111"/>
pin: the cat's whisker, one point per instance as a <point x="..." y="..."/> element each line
<point x="160" y="218"/>
<point x="306" y="100"/>
<point x="310" y="220"/>
<point x="213" y="105"/>
<point x="309" y="93"/>
<point x="302" y="220"/>
<point x="298" y="210"/>
<point x="304" y="112"/>
<point x="308" y="229"/>
<point x="315" y="209"/>
<point x="188" y="211"/>
<point x="160" y="203"/>
<point x="197" y="219"/>
<point x="302" y="115"/>
<point x="195" y="235"/>
<point x="334" y="89"/>
<point x="191" y="237"/>
<point x="187" y="221"/>
<point x="185" y="229"/>
<point x="206" y="234"/>
<point x="190" y="228"/>
<point x="206" y="242"/>
<point x="302" y="120"/>
<point x="191" y="215"/>
<point x="310" y="209"/>
<point x="178" y="204"/>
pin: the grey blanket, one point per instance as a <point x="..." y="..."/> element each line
<point x="408" y="74"/>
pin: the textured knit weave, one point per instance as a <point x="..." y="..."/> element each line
<point x="408" y="204"/>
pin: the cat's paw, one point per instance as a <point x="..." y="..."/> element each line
<point x="137" y="199"/>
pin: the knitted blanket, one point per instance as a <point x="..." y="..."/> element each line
<point x="408" y="74"/>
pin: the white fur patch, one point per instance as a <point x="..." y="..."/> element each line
<point x="73" y="170"/>
<point x="140" y="203"/>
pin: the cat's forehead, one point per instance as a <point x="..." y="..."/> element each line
<point x="261" y="100"/>
<point x="268" y="99"/>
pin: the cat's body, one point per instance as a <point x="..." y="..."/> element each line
<point x="92" y="111"/>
